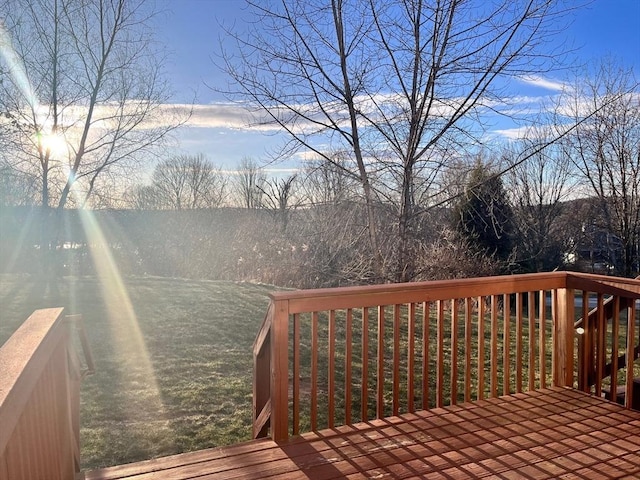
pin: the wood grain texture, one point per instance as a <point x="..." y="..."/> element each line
<point x="548" y="433"/>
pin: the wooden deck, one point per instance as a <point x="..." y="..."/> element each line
<point x="544" y="434"/>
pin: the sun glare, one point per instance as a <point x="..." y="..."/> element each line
<point x="55" y="144"/>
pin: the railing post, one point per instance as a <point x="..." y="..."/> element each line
<point x="262" y="377"/>
<point x="73" y="380"/>
<point x="564" y="338"/>
<point x="280" y="371"/>
<point x="261" y="387"/>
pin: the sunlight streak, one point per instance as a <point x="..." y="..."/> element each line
<point x="16" y="68"/>
<point x="141" y="385"/>
<point x="142" y="398"/>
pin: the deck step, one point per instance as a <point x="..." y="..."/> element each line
<point x="174" y="466"/>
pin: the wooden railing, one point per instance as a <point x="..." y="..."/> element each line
<point x="330" y="357"/>
<point x="608" y="343"/>
<point x="40" y="377"/>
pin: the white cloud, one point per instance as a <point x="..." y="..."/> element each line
<point x="204" y="116"/>
<point x="223" y="115"/>
<point x="516" y="133"/>
<point x="282" y="171"/>
<point x="239" y="116"/>
<point x="218" y="115"/>
<point x="542" y="82"/>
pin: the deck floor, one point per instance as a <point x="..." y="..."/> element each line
<point x="544" y="434"/>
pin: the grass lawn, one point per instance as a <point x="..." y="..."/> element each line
<point x="174" y="367"/>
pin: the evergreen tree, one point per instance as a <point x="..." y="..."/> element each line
<point x="483" y="215"/>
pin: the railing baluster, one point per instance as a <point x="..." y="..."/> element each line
<point x="600" y="357"/>
<point x="468" y="330"/>
<point x="348" y="363"/>
<point x="494" y="345"/>
<point x="555" y="318"/>
<point x="296" y="374"/>
<point x="615" y="337"/>
<point x="364" y="395"/>
<point x="411" y="354"/>
<point x="426" y="312"/>
<point x="380" y="372"/>
<point x="506" y="346"/>
<point x="454" y="352"/>
<point x="587" y="362"/>
<point x="440" y="362"/>
<point x="314" y="371"/>
<point x="481" y="312"/>
<point x="519" y="349"/>
<point x="631" y="323"/>
<point x="396" y="360"/>
<point x="532" y="341"/>
<point x="331" y="387"/>
<point x="542" y="347"/>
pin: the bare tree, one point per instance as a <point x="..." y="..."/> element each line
<point x="538" y="189"/>
<point x="606" y="151"/>
<point x="16" y="189"/>
<point x="85" y="90"/>
<point x="188" y="181"/>
<point x="328" y="183"/>
<point x="249" y="183"/>
<point x="394" y="86"/>
<point x="142" y="197"/>
<point x="279" y="196"/>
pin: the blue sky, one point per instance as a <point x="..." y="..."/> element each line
<point x="191" y="32"/>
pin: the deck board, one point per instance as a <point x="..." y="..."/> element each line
<point x="542" y="434"/>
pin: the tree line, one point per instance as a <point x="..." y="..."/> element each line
<point x="310" y="229"/>
<point x="322" y="246"/>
